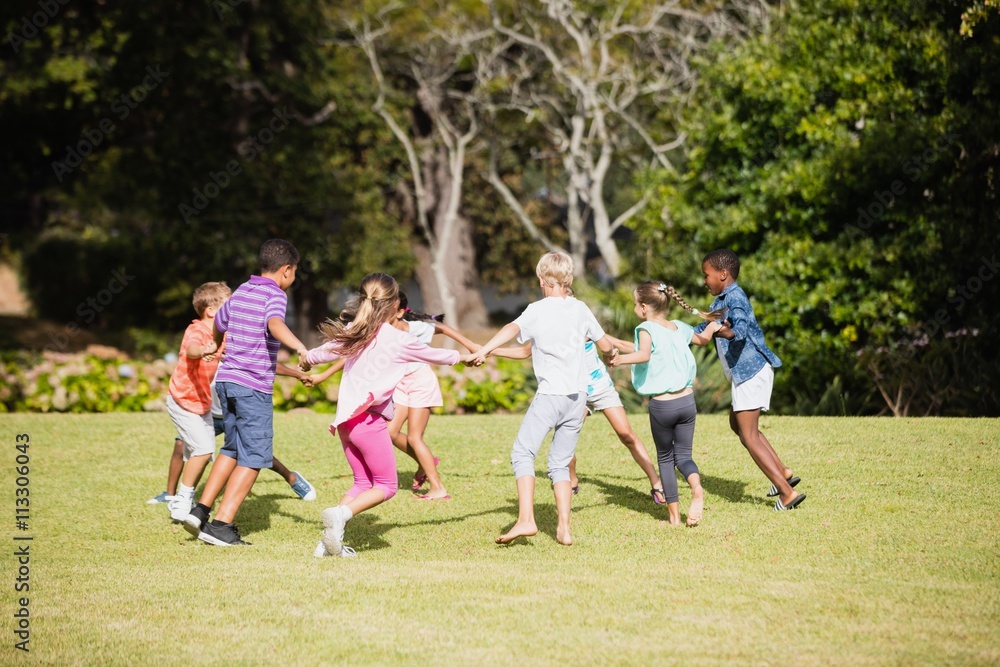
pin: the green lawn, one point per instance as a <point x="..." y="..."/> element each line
<point x="894" y="558"/>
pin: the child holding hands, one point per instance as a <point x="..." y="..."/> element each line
<point x="749" y="364"/>
<point x="376" y="356"/>
<point x="663" y="368"/>
<point x="558" y="327"/>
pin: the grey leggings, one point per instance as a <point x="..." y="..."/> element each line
<point x="672" y="424"/>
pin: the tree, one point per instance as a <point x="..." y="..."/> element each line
<point x="605" y="84"/>
<point x="850" y="160"/>
<point x="431" y="73"/>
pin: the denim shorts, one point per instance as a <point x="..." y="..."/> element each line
<point x="248" y="418"/>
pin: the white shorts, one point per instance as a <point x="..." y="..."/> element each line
<point x="197" y="431"/>
<point x="603" y="399"/>
<point x="755" y="393"/>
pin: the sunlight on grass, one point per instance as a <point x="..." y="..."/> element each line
<point x="894" y="558"/>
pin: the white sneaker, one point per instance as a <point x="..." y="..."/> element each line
<point x="348" y="552"/>
<point x="180" y="507"/>
<point x="333" y="536"/>
<point x="321" y="551"/>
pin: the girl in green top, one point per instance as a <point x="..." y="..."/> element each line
<point x="663" y="368"/>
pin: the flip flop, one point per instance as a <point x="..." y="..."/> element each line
<point x="421" y="478"/>
<point x="792" y="505"/>
<point x="792" y="481"/>
<point x="576" y="489"/>
<point x="656" y="500"/>
<point x="426" y="497"/>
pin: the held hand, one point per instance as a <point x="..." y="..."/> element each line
<point x="725" y="332"/>
<point x="304" y="364"/>
<point x="208" y="353"/>
<point x="307" y="380"/>
<point x="476" y="359"/>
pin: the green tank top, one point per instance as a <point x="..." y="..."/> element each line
<point x="671" y="365"/>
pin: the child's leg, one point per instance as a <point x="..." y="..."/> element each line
<point x="747" y="427"/>
<point x="683" y="445"/>
<point x="176" y="465"/>
<point x="415" y="437"/>
<point x="237" y="489"/>
<point x="249" y="426"/>
<point x="662" y="422"/>
<point x="541" y="417"/>
<point x="193" y="470"/>
<point x="368" y="449"/>
<point x="561" y="452"/>
<point x="364" y="482"/>
<point x="785" y="470"/>
<point x="217" y="478"/>
<point x="619" y="422"/>
<point x="574" y="481"/>
<point x="395" y="431"/>
<point x="525" y="526"/>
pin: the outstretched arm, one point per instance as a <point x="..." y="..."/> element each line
<point x="621" y="345"/>
<point x="707" y="334"/>
<point x="640" y="356"/>
<point x="505" y="335"/>
<point x="522" y="352"/>
<point x="280" y="330"/>
<point x="325" y="375"/>
<point x="455" y="335"/>
<point x="282" y="369"/>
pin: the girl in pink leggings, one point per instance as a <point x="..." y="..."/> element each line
<point x="376" y="356"/>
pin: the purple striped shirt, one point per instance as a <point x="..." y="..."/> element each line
<point x="251" y="351"/>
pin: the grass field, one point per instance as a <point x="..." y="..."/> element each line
<point x="894" y="558"/>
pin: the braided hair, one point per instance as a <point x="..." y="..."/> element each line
<point x="414" y="316"/>
<point x="657" y="296"/>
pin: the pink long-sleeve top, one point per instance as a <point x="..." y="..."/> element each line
<point x="371" y="375"/>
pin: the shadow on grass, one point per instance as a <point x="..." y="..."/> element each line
<point x="732" y="490"/>
<point x="624" y="496"/>
<point x="256" y="512"/>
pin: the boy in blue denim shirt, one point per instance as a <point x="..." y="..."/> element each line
<point x="748" y="363"/>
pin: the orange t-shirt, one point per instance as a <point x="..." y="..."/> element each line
<point x="191" y="381"/>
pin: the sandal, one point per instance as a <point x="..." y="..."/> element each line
<point x="420" y="478"/>
<point x="654" y="491"/>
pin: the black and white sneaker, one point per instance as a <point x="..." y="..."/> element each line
<point x="226" y="535"/>
<point x="196" y="518"/>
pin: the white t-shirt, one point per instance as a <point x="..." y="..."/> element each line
<point x="424" y="332"/>
<point x="558" y="329"/>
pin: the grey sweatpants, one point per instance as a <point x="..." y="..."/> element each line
<point x="547" y="412"/>
<point x="672" y="424"/>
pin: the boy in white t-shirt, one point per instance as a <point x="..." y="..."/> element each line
<point x="558" y="327"/>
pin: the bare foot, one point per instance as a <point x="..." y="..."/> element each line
<point x="441" y="494"/>
<point x="562" y="536"/>
<point x="694" y="512"/>
<point x="518" y="530"/>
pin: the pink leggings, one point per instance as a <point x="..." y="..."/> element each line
<point x="369" y="453"/>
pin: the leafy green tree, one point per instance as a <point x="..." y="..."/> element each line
<point x="848" y="157"/>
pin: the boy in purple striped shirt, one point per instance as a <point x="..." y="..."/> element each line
<point x="253" y="320"/>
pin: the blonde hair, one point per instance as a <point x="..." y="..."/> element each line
<point x="210" y="295"/>
<point x="657" y="296"/>
<point x="555" y="268"/>
<point x="373" y="305"/>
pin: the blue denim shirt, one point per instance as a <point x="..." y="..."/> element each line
<point x="747" y="352"/>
